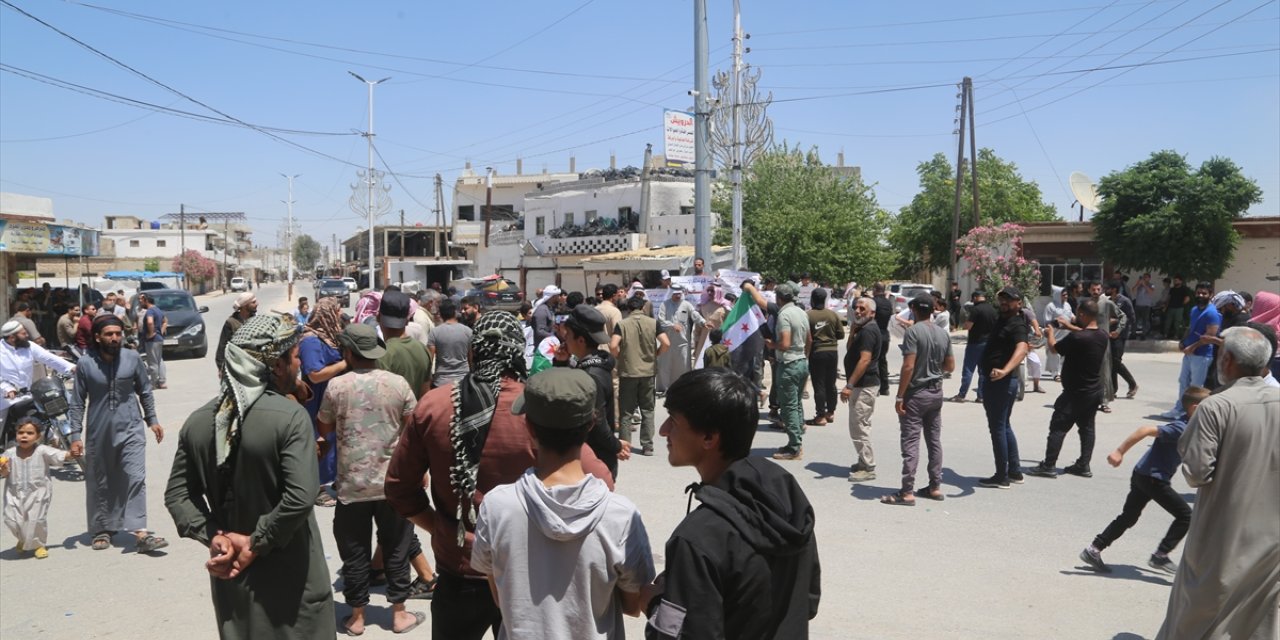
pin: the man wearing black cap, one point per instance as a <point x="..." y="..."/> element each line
<point x="584" y="332"/>
<point x="1083" y="353"/>
<point x="368" y="408"/>
<point x="926" y="357"/>
<point x="558" y="526"/>
<point x="405" y="356"/>
<point x="1006" y="347"/>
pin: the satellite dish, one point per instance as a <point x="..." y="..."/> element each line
<point x="1084" y="191"/>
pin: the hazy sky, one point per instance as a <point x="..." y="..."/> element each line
<point x="544" y="80"/>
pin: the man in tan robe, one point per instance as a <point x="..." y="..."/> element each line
<point x="1228" y="585"/>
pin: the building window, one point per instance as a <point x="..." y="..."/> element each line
<point x="467" y="212"/>
<point x="160" y="243"/>
<point x="591" y="215"/>
<point x="1059" y="274"/>
<point x="686" y="211"/>
<point x="568" y="219"/>
<point x="624" y="212"/>
<point x="541" y="225"/>
<point x="133" y="243"/>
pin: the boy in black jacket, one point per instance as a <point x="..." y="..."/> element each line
<point x="582" y="336"/>
<point x="744" y="565"/>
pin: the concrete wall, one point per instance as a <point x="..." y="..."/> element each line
<point x="149" y="243"/>
<point x="18" y="204"/>
<point x="1254" y="261"/>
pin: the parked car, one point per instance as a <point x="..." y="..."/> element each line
<point x="186" y="333"/>
<point x="239" y="284"/>
<point x="902" y="292"/>
<point x="352" y="285"/>
<point x="496" y="292"/>
<point x="333" y="288"/>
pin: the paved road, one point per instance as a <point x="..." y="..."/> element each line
<point x="984" y="564"/>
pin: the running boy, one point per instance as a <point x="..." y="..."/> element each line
<point x="1150" y="481"/>
<point x="27" y="492"/>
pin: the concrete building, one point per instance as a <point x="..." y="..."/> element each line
<point x="428" y="254"/>
<point x="30" y="239"/>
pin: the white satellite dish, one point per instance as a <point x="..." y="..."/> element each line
<point x="1084" y="191"/>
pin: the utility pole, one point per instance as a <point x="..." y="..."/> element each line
<point x="701" y="150"/>
<point x="337" y="253"/>
<point x="226" y="247"/>
<point x="737" y="137"/>
<point x="402" y="235"/>
<point x="973" y="149"/>
<point x="955" y="218"/>
<point x="439" y="214"/>
<point x="289" y="203"/>
<point x="488" y="202"/>
<point x="371" y="177"/>
<point x="182" y="228"/>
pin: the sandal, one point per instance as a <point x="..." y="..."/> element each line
<point x="325" y="500"/>
<point x="932" y="493"/>
<point x="151" y="543"/>
<point x="1104" y="409"/>
<point x="899" y="498"/>
<point x="345" y="630"/>
<point x="1132" y="393"/>
<point x="421" y="589"/>
<point x="102" y="541"/>
<point x="418" y="617"/>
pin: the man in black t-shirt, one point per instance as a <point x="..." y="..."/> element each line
<point x="1006" y="347"/>
<point x="1175" y="315"/>
<point x="861" y="363"/>
<point x="1083" y="352"/>
<point x="982" y="318"/>
<point x="953" y="304"/>
<point x="884" y="311"/>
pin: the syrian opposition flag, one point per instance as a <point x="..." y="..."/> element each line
<point x="743" y="320"/>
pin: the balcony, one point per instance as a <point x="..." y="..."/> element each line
<point x="592" y="245"/>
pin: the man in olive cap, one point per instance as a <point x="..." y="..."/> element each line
<point x="791" y="343"/>
<point x="557" y="525"/>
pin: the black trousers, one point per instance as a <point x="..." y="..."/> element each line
<point x="1144" y="489"/>
<point x="1073" y="408"/>
<point x="822" y="368"/>
<point x="353" y="531"/>
<point x="883" y="363"/>
<point x="463" y="609"/>
<point x="1118" y="367"/>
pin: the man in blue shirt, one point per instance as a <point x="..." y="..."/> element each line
<point x="1197" y="346"/>
<point x="302" y="313"/>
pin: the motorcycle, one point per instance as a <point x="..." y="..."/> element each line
<point x="46" y="400"/>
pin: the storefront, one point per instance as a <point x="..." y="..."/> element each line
<point x="24" y="239"/>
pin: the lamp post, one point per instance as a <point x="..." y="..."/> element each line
<point x="370" y="177"/>
<point x="289" y="203"/>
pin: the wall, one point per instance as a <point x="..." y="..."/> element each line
<point x="148" y="243"/>
<point x="1254" y="261"/>
<point x="18" y="204"/>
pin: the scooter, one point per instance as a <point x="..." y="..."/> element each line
<point x="47" y="402"/>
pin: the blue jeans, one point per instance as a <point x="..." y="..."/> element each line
<point x="1194" y="370"/>
<point x="998" y="403"/>
<point x="972" y="360"/>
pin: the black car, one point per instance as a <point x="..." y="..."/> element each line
<point x="497" y="293"/>
<point x="333" y="288"/>
<point x="186" y="333"/>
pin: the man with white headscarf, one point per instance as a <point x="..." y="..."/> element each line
<point x="678" y="318"/>
<point x="544" y="313"/>
<point x="1231" y="307"/>
<point x="244" y="481"/>
<point x="245" y="306"/>
<point x="18" y="354"/>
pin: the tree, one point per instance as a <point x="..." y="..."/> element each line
<point x="802" y="216"/>
<point x="195" y="266"/>
<point x="1160" y="215"/>
<point x="921" y="232"/>
<point x="151" y="264"/>
<point x="306" y="252"/>
<point x="993" y="256"/>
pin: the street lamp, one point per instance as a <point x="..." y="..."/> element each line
<point x="289" y="202"/>
<point x="370" y="178"/>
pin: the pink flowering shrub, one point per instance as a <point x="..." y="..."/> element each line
<point x="994" y="257"/>
<point x="195" y="266"/>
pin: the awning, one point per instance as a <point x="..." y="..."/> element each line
<point x="670" y="258"/>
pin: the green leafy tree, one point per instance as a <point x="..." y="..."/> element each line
<point x="306" y="252"/>
<point x="151" y="264"/>
<point x="921" y="232"/>
<point x="800" y="215"/>
<point x="1161" y="215"/>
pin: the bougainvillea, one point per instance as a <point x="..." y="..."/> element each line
<point x="195" y="266"/>
<point x="993" y="256"/>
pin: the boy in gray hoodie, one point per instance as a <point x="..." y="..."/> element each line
<point x="565" y="557"/>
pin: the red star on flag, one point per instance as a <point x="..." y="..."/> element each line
<point x="745" y="326"/>
<point x="727" y="342"/>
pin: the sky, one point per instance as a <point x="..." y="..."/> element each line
<point x="237" y="93"/>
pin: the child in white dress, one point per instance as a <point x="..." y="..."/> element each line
<point x="28" y="491"/>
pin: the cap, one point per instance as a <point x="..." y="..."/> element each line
<point x="1011" y="293"/>
<point x="393" y="313"/>
<point x="789" y="289"/>
<point x="677" y="288"/>
<point x="588" y="317"/>
<point x="666" y="275"/>
<point x="922" y="301"/>
<point x="364" y="340"/>
<point x="558" y="398"/>
<point x="11" y="327"/>
<point x="243" y="299"/>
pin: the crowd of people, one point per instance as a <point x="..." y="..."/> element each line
<point x="501" y="436"/>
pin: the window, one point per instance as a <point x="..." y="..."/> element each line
<point x="1057" y="274"/>
<point x="623" y="212"/>
<point x="568" y="219"/>
<point x="467" y="212"/>
<point x="160" y="243"/>
<point x="686" y="211"/>
<point x="133" y="243"/>
<point x="540" y="225"/>
<point x="591" y="215"/>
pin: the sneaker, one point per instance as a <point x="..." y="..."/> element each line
<point x="1094" y="560"/>
<point x="646" y="451"/>
<point x="1078" y="470"/>
<point x="1017" y="478"/>
<point x="1043" y="470"/>
<point x="862" y="475"/>
<point x="994" y="482"/>
<point x="787" y="454"/>
<point x="1163" y="564"/>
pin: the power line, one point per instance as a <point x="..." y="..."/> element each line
<point x="1050" y="39"/>
<point x="526" y="38"/>
<point x="82" y="133"/>
<point x="873" y="63"/>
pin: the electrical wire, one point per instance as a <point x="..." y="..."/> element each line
<point x="1050" y="39"/>
<point x="82" y="133"/>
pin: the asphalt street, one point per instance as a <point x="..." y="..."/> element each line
<point x="986" y="563"/>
